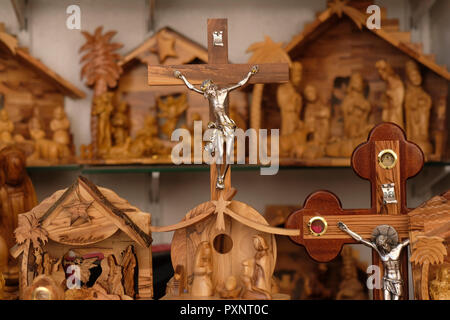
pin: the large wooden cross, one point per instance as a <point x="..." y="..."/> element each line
<point x="220" y="72"/>
<point x="386" y="158"/>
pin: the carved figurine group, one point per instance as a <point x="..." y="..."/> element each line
<point x="85" y="242"/>
<point x="255" y="280"/>
<point x="354" y="89"/>
<point x="306" y="121"/>
<point x="113" y="129"/>
<point x="41" y="148"/>
<point x="32" y="115"/>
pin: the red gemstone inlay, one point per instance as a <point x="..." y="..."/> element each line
<point x="317" y="226"/>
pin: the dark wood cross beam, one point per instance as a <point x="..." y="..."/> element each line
<point x="220" y="72"/>
<point x="369" y="163"/>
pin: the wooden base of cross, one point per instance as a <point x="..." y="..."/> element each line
<point x="221" y="73"/>
<point x="387" y="159"/>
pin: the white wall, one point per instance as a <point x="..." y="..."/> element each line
<point x="248" y="21"/>
<point x="58" y="46"/>
<point x="7" y="17"/>
<point x="440" y="35"/>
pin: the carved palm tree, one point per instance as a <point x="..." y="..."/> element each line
<point x="100" y="67"/>
<point x="427" y="251"/>
<point x="266" y="51"/>
<point x="29" y="234"/>
<point x="100" y="62"/>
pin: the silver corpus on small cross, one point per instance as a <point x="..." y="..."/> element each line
<point x="222" y="139"/>
<point x="385" y="241"/>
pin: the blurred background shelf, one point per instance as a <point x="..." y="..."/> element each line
<point x="64" y="167"/>
<point x="107" y="169"/>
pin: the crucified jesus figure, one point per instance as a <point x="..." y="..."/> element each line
<point x="224" y="127"/>
<point x="385" y="242"/>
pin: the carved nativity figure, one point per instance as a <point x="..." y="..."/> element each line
<point x="202" y="285"/>
<point x="256" y="272"/>
<point x="147" y="143"/>
<point x="17" y="196"/>
<point x="231" y="289"/>
<point x="120" y="139"/>
<point x="120" y="124"/>
<point x="115" y="277"/>
<point x="60" y="126"/>
<point x="317" y="124"/>
<point x="177" y="285"/>
<point x="6" y="128"/>
<point x="385" y="242"/>
<point x="224" y="127"/>
<point x="290" y="101"/>
<point x="171" y="108"/>
<point x="102" y="109"/>
<point x="355" y="110"/>
<point x="417" y="108"/>
<point x="129" y="267"/>
<point x="53" y="149"/>
<point x="440" y="286"/>
<point x="395" y="94"/>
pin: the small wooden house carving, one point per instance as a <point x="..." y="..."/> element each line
<point x="346" y="78"/>
<point x="32" y="103"/>
<point x="430" y="259"/>
<point x="88" y="242"/>
<point x="152" y="113"/>
<point x="166" y="47"/>
<point x="223" y="249"/>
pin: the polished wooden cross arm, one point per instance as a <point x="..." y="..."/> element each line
<point x="159" y="75"/>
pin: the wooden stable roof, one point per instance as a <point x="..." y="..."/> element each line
<point x="58" y="214"/>
<point x="9" y="44"/>
<point x="189" y="50"/>
<point x="389" y="31"/>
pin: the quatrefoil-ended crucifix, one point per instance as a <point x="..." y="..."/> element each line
<point x="322" y="210"/>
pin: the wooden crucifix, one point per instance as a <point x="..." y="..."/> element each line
<point x="219" y="72"/>
<point x="387" y="159"/>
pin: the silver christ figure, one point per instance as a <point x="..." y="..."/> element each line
<point x="224" y="127"/>
<point x="385" y="241"/>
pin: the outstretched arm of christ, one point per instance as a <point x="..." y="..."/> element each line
<point x="405" y="243"/>
<point x="355" y="236"/>
<point x="245" y="80"/>
<point x="179" y="75"/>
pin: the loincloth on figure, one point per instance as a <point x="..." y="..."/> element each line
<point x="393" y="286"/>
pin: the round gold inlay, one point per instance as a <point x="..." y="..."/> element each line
<point x="387" y="159"/>
<point x="317" y="226"/>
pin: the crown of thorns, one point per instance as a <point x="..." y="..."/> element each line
<point x="206" y="84"/>
<point x="385" y="230"/>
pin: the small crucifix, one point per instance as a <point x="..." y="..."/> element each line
<point x="218" y="72"/>
<point x="387" y="159"/>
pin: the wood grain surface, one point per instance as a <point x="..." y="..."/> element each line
<point x="219" y="73"/>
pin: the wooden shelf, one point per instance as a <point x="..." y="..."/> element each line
<point x="63" y="167"/>
<point x="114" y="169"/>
